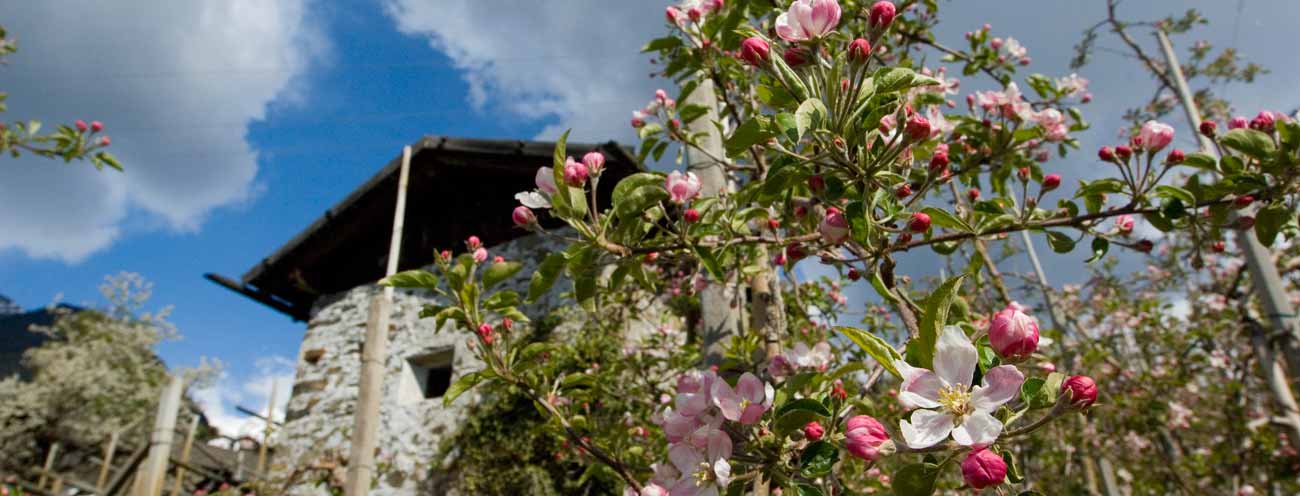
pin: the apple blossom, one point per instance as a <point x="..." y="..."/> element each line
<point x="682" y="187"/>
<point x="1263" y="122"/>
<point x="917" y="128"/>
<point x="903" y="191"/>
<point x="866" y="438"/>
<point x="691" y="216"/>
<point x="1175" y="157"/>
<point x="1243" y="201"/>
<point x="747" y="402"/>
<point x="808" y="19"/>
<point x="859" y="51"/>
<point x="1013" y="334"/>
<point x="795" y="56"/>
<point x="1123" y="152"/>
<point x="81" y="125"/>
<point x="703" y="474"/>
<point x="523" y="217"/>
<point x="595" y="162"/>
<point x="973" y="194"/>
<point x="1156" y="135"/>
<point x="473" y="242"/>
<point x="1245" y="222"/>
<point x="1237" y="122"/>
<point x="480" y="255"/>
<point x="1051" y="182"/>
<point x="755" y="50"/>
<point x="983" y="468"/>
<point x="105" y="141"/>
<point x="834" y="228"/>
<point x="1106" y="153"/>
<point x="946" y="402"/>
<point x="575" y="173"/>
<point x="816" y="182"/>
<point x="1082" y="389"/>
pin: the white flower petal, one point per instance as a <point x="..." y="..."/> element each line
<point x="533" y="199"/>
<point x="978" y="430"/>
<point x="685" y="458"/>
<point x="920" y="390"/>
<point x="955" y="357"/>
<point x="1001" y="384"/>
<point x="926" y="429"/>
<point x="722" y="470"/>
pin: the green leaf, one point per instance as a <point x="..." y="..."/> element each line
<point x="818" y="459"/>
<point x="501" y="300"/>
<point x="1269" y="221"/>
<point x="916" y="479"/>
<point x="804" y="489"/>
<point x="1200" y="161"/>
<point x="946" y="219"/>
<point x="750" y="133"/>
<point x="794" y="420"/>
<point x="649" y="130"/>
<point x="691" y="112"/>
<point x="465" y="383"/>
<point x="631" y="183"/>
<point x="1060" y="242"/>
<point x="545" y="275"/>
<point x="878" y="284"/>
<point x="412" y="279"/>
<point x="810" y="113"/>
<point x="933" y="320"/>
<point x="1254" y="144"/>
<point x="1099" y="248"/>
<point x="498" y="272"/>
<point x="788" y="125"/>
<point x="1167" y="191"/>
<point x="1013" y="471"/>
<point x="890" y="79"/>
<point x="877" y="348"/>
<point x="807" y="404"/>
<point x="662" y="44"/>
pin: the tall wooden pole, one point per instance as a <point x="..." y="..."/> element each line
<point x="1268" y="283"/>
<point x="47" y="469"/>
<point x="718" y="318"/>
<point x="266" y="433"/>
<point x="109" y="450"/>
<point x="365" y="430"/>
<point x="178" y="479"/>
<point x="160" y="441"/>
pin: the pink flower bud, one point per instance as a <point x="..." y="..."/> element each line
<point x="485" y="332"/>
<point x="1124" y="224"/>
<point x="1106" y="154"/>
<point x="939" y="162"/>
<point x="1087" y="98"/>
<point x="507" y="323"/>
<point x="595" y="162"/>
<point x="973" y="194"/>
<point x="661" y="95"/>
<point x="795" y="56"/>
<point x="854" y="274"/>
<point x="575" y="173"/>
<point x="682" y="187"/>
<point x="834" y="227"/>
<point x="755" y="51"/>
<point x="882" y="15"/>
<point x="866" y="438"/>
<point x="1175" y="157"/>
<point x="1082" y="389"/>
<point x="837" y="390"/>
<point x="672" y="14"/>
<point x="1023" y="173"/>
<point x="1155" y="135"/>
<point x="995" y="43"/>
<point x="1144" y="246"/>
<point x="983" y="468"/>
<point x="473" y="242"/>
<point x="817" y="183"/>
<point x="917" y="128"/>
<point x="903" y="191"/>
<point x="1123" y="152"/>
<point x="1208" y="128"/>
<point x="81" y="125"/>
<point x="638" y="123"/>
<point x="523" y="216"/>
<point x="498" y="259"/>
<point x="1245" y="222"/>
<point x="1263" y="122"/>
<point x="480" y="255"/>
<point x="1243" y="201"/>
<point x="813" y="431"/>
<point x="1013" y="333"/>
<point x="692" y="216"/>
<point x="920" y="222"/>
<point x="904" y="238"/>
<point x="650" y="258"/>
<point x="800" y="211"/>
<point x="1218" y="247"/>
<point x="859" y="51"/>
<point x="795" y="253"/>
<point x="105" y="141"/>
<point x="780" y="259"/>
<point x="1051" y="182"/>
<point x="1237" y="122"/>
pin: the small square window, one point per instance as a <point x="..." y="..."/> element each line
<point x="427" y="376"/>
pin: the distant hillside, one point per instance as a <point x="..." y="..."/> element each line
<point x="15" y="336"/>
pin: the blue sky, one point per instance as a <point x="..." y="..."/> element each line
<point x="240" y="122"/>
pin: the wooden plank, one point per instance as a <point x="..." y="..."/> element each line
<point x="179" y="477"/>
<point x="160" y="442"/>
<point x="109" y="450"/>
<point x="266" y="433"/>
<point x="49" y="464"/>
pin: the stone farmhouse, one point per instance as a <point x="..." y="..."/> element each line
<point x="325" y="277"/>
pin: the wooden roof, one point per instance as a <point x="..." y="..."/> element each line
<point x="458" y="187"/>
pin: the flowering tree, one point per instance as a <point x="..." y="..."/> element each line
<point x="80" y="141"/>
<point x="839" y="147"/>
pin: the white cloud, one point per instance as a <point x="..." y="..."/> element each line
<point x="577" y="65"/>
<point x="175" y="83"/>
<point x="252" y="391"/>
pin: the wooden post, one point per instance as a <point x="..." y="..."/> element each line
<point x="179" y="478"/>
<point x="57" y="486"/>
<point x="160" y="442"/>
<point x="365" y="430"/>
<point x="127" y="471"/>
<point x="49" y="465"/>
<point x="266" y="433"/>
<point x="109" y="450"/>
<point x="719" y="321"/>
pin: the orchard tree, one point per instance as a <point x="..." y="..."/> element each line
<point x="840" y="148"/>
<point x="80" y="141"/>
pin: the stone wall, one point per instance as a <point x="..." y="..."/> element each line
<point x="320" y="413"/>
